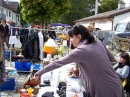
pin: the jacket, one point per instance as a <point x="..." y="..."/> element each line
<point x="31" y="45"/>
<point x="122" y="72"/>
<point x="4" y="30"/>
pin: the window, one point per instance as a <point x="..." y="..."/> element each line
<point x="18" y="17"/>
<point x="9" y="14"/>
<point x="120" y="27"/>
<point x="2" y="11"/>
<point x="128" y="28"/>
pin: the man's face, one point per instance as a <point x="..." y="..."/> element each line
<point x="3" y="22"/>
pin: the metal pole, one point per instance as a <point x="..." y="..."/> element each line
<point x="96" y="7"/>
<point x="0" y="8"/>
<point x="10" y="65"/>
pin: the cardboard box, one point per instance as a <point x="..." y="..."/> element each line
<point x="36" y="90"/>
<point x="34" y="82"/>
<point x="17" y="89"/>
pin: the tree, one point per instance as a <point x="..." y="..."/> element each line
<point x="43" y="10"/>
<point x="108" y="5"/>
<point x="79" y="9"/>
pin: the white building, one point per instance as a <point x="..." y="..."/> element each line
<point x="11" y="11"/>
<point x="127" y="3"/>
<point x="106" y="20"/>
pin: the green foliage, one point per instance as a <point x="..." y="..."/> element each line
<point x="108" y="5"/>
<point x="64" y="11"/>
<point x="43" y="10"/>
<point x="79" y="9"/>
<point x="21" y="19"/>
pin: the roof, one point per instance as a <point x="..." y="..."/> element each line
<point x="4" y="4"/>
<point x="109" y="14"/>
<point x="11" y="6"/>
<point x="15" y="6"/>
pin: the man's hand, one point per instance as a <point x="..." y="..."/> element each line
<point x="36" y="77"/>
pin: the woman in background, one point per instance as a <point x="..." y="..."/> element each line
<point x="90" y="29"/>
<point x="123" y="70"/>
<point x="122" y="67"/>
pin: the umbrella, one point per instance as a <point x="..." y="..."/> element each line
<point x="59" y="24"/>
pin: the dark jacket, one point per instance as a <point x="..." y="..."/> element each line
<point x="36" y="49"/>
<point x="13" y="31"/>
<point x="4" y="30"/>
<point x="31" y="45"/>
<point x="22" y="31"/>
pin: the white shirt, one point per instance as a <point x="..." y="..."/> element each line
<point x="65" y="31"/>
<point x="40" y="45"/>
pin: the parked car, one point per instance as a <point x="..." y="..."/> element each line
<point x="122" y="28"/>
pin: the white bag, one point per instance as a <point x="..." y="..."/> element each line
<point x="16" y="33"/>
<point x="14" y="40"/>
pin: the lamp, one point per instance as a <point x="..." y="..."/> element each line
<point x="49" y="47"/>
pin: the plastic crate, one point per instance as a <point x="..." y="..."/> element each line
<point x="7" y="54"/>
<point x="8" y="85"/>
<point x="23" y="66"/>
<point x="36" y="67"/>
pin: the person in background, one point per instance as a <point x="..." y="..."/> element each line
<point x="94" y="62"/>
<point x="123" y="70"/>
<point x="122" y="67"/>
<point x="8" y="23"/>
<point x="90" y="29"/>
<point x="65" y="30"/>
<point x="4" y="29"/>
<point x="2" y="65"/>
<point x="12" y="24"/>
<point x="21" y="32"/>
<point x="52" y="34"/>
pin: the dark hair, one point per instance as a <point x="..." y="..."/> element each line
<point x="11" y="23"/>
<point x="83" y="31"/>
<point x="126" y="57"/>
<point x="3" y="21"/>
<point x="21" y="23"/>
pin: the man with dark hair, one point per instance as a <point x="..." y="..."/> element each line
<point x="51" y="33"/>
<point x="21" y="33"/>
<point x="4" y="30"/>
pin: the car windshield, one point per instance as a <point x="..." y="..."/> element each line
<point x="121" y="27"/>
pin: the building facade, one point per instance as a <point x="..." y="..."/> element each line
<point x="127" y="3"/>
<point x="11" y="11"/>
<point x="106" y="20"/>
